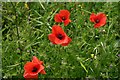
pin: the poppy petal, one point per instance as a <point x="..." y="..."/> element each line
<point x="102" y="17"/>
<point x="57" y="18"/>
<point x="64" y="40"/>
<point x="57" y="29"/>
<point x="65" y="44"/>
<point x="33" y="68"/>
<point x="41" y="68"/>
<point x="28" y="67"/>
<point x="92" y="17"/>
<point x="25" y="74"/>
<point x="55" y="40"/>
<point x="66" y="22"/>
<point x="58" y="41"/>
<point x="64" y="13"/>
<point x="28" y="76"/>
<point x="35" y="60"/>
<point x="58" y="36"/>
<point x="101" y="23"/>
<point x="43" y="72"/>
<point x="52" y="37"/>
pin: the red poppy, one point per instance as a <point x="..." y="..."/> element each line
<point x="33" y="68"/>
<point x="58" y="36"/>
<point x="63" y="16"/>
<point x="99" y="19"/>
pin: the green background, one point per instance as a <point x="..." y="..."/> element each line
<point x="92" y="53"/>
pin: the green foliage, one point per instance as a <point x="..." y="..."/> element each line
<point x="92" y="52"/>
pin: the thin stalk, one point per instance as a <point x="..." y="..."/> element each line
<point x="86" y="11"/>
<point x="18" y="36"/>
<point x="16" y="26"/>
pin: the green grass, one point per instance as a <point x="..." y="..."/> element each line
<point x="92" y="52"/>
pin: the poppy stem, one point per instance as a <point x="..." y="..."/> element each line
<point x="86" y="11"/>
<point x="62" y="26"/>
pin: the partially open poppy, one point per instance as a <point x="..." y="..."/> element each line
<point x="58" y="36"/>
<point x="99" y="19"/>
<point x="63" y="16"/>
<point x="33" y="68"/>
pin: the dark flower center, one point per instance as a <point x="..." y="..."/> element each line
<point x="34" y="69"/>
<point x="97" y="21"/>
<point x="63" y="18"/>
<point x="60" y="36"/>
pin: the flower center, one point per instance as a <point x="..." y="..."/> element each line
<point x="97" y="21"/>
<point x="60" y="36"/>
<point x="34" y="69"/>
<point x="63" y="18"/>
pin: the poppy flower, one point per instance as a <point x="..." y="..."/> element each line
<point x="33" y="68"/>
<point x="58" y="36"/>
<point x="99" y="19"/>
<point x="63" y="16"/>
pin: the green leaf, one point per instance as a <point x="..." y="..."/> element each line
<point x="84" y="67"/>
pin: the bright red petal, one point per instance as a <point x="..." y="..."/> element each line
<point x="58" y="41"/>
<point x="57" y="30"/>
<point x="55" y="40"/>
<point x="25" y="74"/>
<point x="69" y="40"/>
<point x="57" y="18"/>
<point x="92" y="17"/>
<point x="102" y="17"/>
<point x="41" y="68"/>
<point x="52" y="37"/>
<point x="29" y="67"/>
<point x="35" y="60"/>
<point x="63" y="41"/>
<point x="98" y="25"/>
<point x="29" y="76"/>
<point x="43" y="72"/>
<point x="64" y="13"/>
<point x="66" y="22"/>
